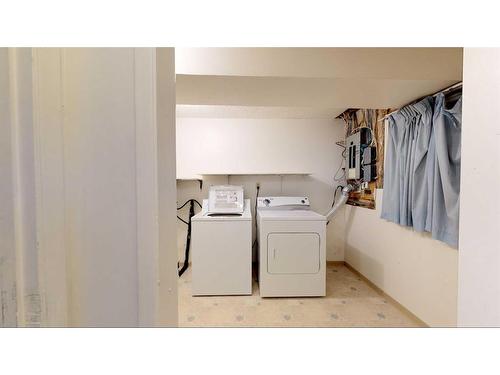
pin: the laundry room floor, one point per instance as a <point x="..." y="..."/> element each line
<point x="350" y="302"/>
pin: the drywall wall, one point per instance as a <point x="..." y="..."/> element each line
<point x="102" y="186"/>
<point x="49" y="164"/>
<point x="8" y="306"/>
<point x="99" y="151"/>
<point x="247" y="151"/>
<point x="417" y="271"/>
<point x="479" y="250"/>
<point x="258" y="146"/>
<point x="166" y="185"/>
<point x="29" y="304"/>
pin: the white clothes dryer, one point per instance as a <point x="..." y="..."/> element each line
<point x="292" y="248"/>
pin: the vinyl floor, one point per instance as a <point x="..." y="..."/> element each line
<point x="350" y="302"/>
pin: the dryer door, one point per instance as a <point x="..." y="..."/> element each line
<point x="293" y="253"/>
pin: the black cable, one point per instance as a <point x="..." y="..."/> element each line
<point x="181" y="219"/>
<point x="181" y="207"/>
<point x="341" y="166"/>
<point x="255" y="213"/>
<point x="189" y="200"/>
<point x="188" y="238"/>
<point x="188" y="235"/>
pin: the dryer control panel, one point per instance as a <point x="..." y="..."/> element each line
<point x="283" y="203"/>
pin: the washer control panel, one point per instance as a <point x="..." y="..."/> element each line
<point x="225" y="199"/>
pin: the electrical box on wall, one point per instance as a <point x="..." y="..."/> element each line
<point x="364" y="153"/>
<point x="369" y="166"/>
<point x="369" y="172"/>
<point x="361" y="157"/>
<point x="369" y="155"/>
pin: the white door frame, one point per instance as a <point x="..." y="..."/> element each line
<point x="154" y="78"/>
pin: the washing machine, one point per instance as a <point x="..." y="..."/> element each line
<point x="222" y="249"/>
<point x="292" y="248"/>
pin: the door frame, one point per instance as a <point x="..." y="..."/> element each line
<point x="154" y="82"/>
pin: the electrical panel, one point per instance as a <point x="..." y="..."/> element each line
<point x="369" y="172"/>
<point x="369" y="155"/>
<point x="361" y="157"/>
<point x="363" y="154"/>
<point x="369" y="164"/>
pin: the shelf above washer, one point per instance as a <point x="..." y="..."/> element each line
<point x="259" y="174"/>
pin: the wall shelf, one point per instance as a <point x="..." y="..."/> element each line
<point x="199" y="180"/>
<point x="202" y="175"/>
<point x="259" y="174"/>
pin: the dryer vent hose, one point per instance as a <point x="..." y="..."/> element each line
<point x="343" y="198"/>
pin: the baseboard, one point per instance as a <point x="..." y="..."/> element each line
<point x="382" y="293"/>
<point x="335" y="262"/>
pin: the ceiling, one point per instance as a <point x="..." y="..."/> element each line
<point x="307" y="82"/>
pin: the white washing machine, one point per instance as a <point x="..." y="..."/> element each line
<point x="222" y="252"/>
<point x="292" y="248"/>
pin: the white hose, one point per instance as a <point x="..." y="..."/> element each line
<point x="343" y="198"/>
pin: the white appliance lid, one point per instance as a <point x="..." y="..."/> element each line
<point x="225" y="199"/>
<point x="203" y="215"/>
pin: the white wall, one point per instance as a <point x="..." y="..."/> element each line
<point x="257" y="146"/>
<point x="415" y="270"/>
<point x="115" y="191"/>
<point x="99" y="141"/>
<point x="24" y="186"/>
<point x="8" y="306"/>
<point x="49" y="165"/>
<point x="94" y="198"/>
<point x="258" y="150"/>
<point x="479" y="249"/>
<point x="166" y="187"/>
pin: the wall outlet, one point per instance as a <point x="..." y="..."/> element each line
<point x="257" y="185"/>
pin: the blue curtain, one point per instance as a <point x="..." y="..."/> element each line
<point x="422" y="170"/>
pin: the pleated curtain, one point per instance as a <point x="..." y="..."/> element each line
<point x="422" y="169"/>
